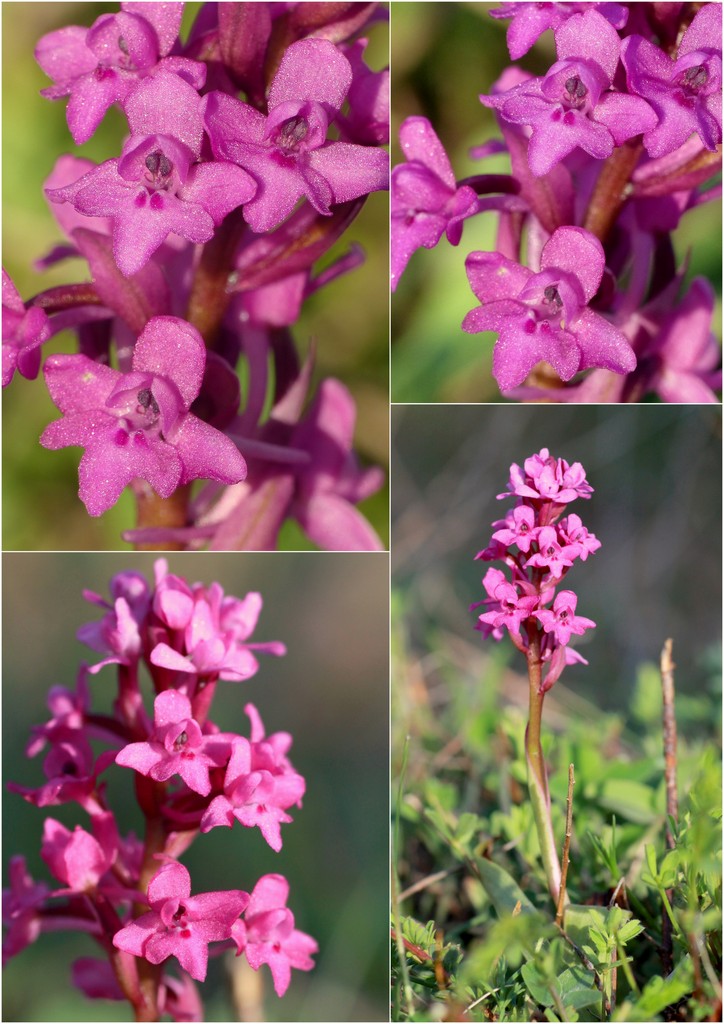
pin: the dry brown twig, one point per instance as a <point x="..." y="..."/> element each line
<point x="672" y="798"/>
<point x="566" y="847"/>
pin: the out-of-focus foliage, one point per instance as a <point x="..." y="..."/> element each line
<point x="475" y="918"/>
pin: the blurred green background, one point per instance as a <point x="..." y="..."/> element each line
<point x="330" y="692"/>
<point x="444" y="55"/>
<point x="656" y="509"/>
<point x="41" y="507"/>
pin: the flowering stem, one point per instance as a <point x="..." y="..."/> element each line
<point x="210" y="293"/>
<point x="149" y="975"/>
<point x="537" y="778"/>
<point x="611" y="189"/>
<point x="165" y="512"/>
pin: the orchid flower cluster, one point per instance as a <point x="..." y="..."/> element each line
<point x="608" y="151"/>
<point x="539" y="618"/>
<point x="201" y="238"/>
<point x="133" y="896"/>
<point x="528" y="605"/>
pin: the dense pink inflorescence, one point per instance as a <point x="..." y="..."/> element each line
<point x="527" y="602"/>
<point x="189" y="777"/>
<point x="203" y="233"/>
<point x="608" y="151"/>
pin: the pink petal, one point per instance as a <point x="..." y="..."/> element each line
<point x="312" y="69"/>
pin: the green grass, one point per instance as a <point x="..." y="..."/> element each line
<point x="471" y="898"/>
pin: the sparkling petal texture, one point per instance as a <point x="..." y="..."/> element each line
<point x="138" y="424"/>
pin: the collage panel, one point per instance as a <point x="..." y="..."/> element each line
<point x="201" y="201"/>
<point x="556" y="202"/>
<point x="327" y="283"/>
<point x="132" y="726"/>
<point x="556" y="712"/>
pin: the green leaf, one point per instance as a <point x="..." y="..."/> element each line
<point x="632" y="800"/>
<point x="536" y="983"/>
<point x="582" y="923"/>
<point x="659" y="993"/>
<point x="505" y="894"/>
<point x="629" y="931"/>
<point x="468" y="827"/>
<point x="577" y="988"/>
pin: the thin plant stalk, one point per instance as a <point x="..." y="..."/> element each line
<point x="562" y="896"/>
<point x="537" y="775"/>
<point x="672" y="802"/>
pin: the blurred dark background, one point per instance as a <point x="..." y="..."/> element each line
<point x="444" y="55"/>
<point x="40" y="488"/>
<point x="330" y="692"/>
<point x="656" y="508"/>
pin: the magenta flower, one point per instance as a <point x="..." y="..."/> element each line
<point x="157" y="187"/>
<point x="545" y="316"/>
<point x="191" y="776"/>
<point x="685" y="92"/>
<point x="683" y="356"/>
<point x="24" y="331"/>
<point x="210" y="652"/>
<point x="70" y="774"/>
<point x="179" y="924"/>
<point x="100" y="66"/>
<point x="77" y="858"/>
<point x="543" y="488"/>
<point x="68" y="711"/>
<point x="508" y="607"/>
<point x="550" y="554"/>
<point x="215" y="633"/>
<point x="368" y="120"/>
<point x="173" y="599"/>
<point x="519" y="529"/>
<point x="138" y="424"/>
<point x="267" y="935"/>
<point x="547" y="478"/>
<point x="254" y="797"/>
<point x="555" y="479"/>
<point x="332" y="483"/>
<point x="260" y="784"/>
<point x="530" y="20"/>
<point x="21" y="908"/>
<point x="562" y="620"/>
<point x="176" y="746"/>
<point x="576" y="537"/>
<point x="117" y="635"/>
<point x="574" y="106"/>
<point x="288" y="152"/>
<point x="425" y="199"/>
